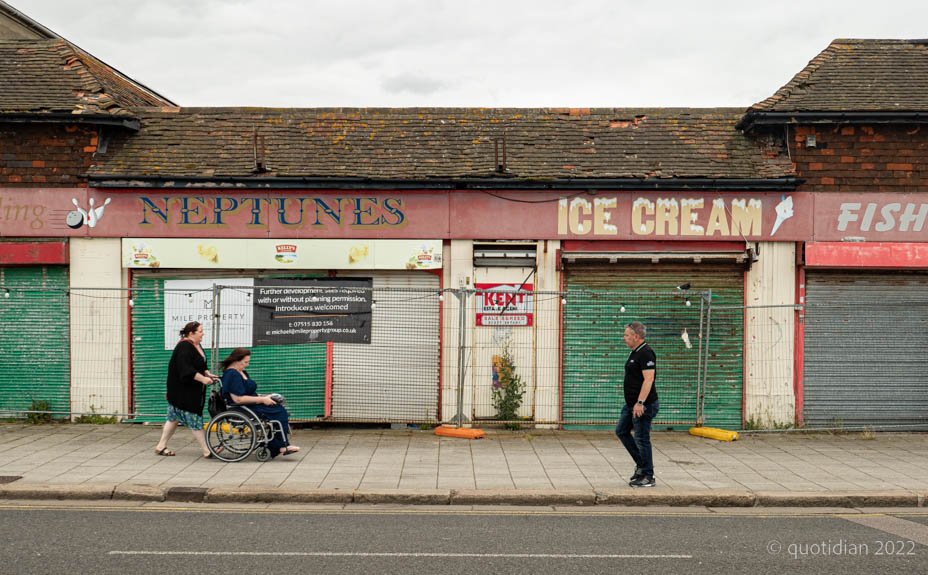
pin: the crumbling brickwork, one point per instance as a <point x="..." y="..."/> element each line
<point x="861" y="158"/>
<point x="38" y="155"/>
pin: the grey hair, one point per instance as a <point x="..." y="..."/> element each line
<point x="638" y="329"/>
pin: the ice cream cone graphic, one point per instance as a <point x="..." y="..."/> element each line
<point x="784" y="212"/>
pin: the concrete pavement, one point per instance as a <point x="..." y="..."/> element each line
<point x="538" y="467"/>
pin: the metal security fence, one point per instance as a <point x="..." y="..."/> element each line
<point x="63" y="350"/>
<point x="369" y="350"/>
<point x="594" y="352"/>
<point x="338" y="350"/>
<point x="769" y="362"/>
<point x="35" y="355"/>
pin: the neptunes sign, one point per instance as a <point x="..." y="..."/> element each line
<point x="669" y="217"/>
<point x="358" y="212"/>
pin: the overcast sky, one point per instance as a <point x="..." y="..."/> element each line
<point x="497" y="53"/>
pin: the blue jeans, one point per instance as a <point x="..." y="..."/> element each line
<point x="639" y="446"/>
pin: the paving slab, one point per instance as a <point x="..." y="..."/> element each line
<point x="777" y="470"/>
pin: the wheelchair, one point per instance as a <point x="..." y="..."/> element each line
<point x="237" y="432"/>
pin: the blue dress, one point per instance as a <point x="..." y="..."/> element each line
<point x="234" y="383"/>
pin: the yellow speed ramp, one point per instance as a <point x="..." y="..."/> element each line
<point x="714" y="433"/>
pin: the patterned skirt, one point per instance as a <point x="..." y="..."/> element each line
<point x="187" y="419"/>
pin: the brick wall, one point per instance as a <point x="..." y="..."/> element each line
<point x="37" y="155"/>
<point x="860" y="158"/>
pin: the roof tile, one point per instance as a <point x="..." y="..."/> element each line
<point x="423" y="143"/>
<point x="858" y="76"/>
<point x="53" y="76"/>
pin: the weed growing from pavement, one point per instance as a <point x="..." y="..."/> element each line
<point x="751" y="424"/>
<point x="95" y="418"/>
<point x="39" y="405"/>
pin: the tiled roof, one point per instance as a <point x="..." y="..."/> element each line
<point x="423" y="143"/>
<point x="53" y="76"/>
<point x="858" y="76"/>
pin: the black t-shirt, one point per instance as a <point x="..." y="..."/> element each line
<point x="640" y="359"/>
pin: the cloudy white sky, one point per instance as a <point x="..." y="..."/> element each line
<point x="496" y="53"/>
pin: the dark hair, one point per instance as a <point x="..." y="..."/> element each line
<point x="237" y="354"/>
<point x="190" y="328"/>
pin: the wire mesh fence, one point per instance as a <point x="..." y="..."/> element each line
<point x="594" y="353"/>
<point x="35" y="363"/>
<point x="769" y="365"/>
<point x="348" y="350"/>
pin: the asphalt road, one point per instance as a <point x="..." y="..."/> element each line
<point x="143" y="540"/>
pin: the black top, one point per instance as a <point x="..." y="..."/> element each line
<point x="640" y="359"/>
<point x="185" y="392"/>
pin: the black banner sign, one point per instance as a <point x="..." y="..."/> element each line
<point x="294" y="311"/>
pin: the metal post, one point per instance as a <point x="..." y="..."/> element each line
<point x="699" y="360"/>
<point x="214" y="352"/>
<point x="705" y="365"/>
<point x="462" y="334"/>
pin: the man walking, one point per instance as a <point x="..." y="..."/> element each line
<point x="641" y="404"/>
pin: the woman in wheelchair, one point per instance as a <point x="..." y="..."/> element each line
<point x="239" y="389"/>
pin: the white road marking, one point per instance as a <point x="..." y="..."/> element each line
<point x="385" y="554"/>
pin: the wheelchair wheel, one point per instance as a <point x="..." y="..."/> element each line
<point x="263" y="454"/>
<point x="230" y="436"/>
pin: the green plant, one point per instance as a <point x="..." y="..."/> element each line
<point x="868" y="434"/>
<point x="837" y="426"/>
<point x="95" y="418"/>
<point x="751" y="424"/>
<point x="40" y="405"/>
<point x="508" y="389"/>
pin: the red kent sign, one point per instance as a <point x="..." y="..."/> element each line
<point x="504" y="305"/>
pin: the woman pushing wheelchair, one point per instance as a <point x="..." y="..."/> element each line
<point x="239" y="389"/>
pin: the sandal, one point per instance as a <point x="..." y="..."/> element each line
<point x="165" y="452"/>
<point x="289" y="450"/>
<point x="210" y="455"/>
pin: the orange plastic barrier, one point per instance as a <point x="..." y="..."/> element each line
<point x="465" y="432"/>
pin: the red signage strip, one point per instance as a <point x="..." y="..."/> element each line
<point x="33" y="253"/>
<point x="866" y="255"/>
<point x="880" y="217"/>
<point x="728" y="216"/>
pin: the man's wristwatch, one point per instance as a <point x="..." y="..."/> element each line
<point x="641" y="403"/>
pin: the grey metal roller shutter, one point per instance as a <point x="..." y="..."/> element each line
<point x="866" y="348"/>
<point x="395" y="378"/>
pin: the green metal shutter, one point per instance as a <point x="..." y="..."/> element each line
<point x="296" y="371"/>
<point x="35" y="338"/>
<point x="594" y="353"/>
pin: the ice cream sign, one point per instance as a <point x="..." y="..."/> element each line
<point x="673" y="217"/>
